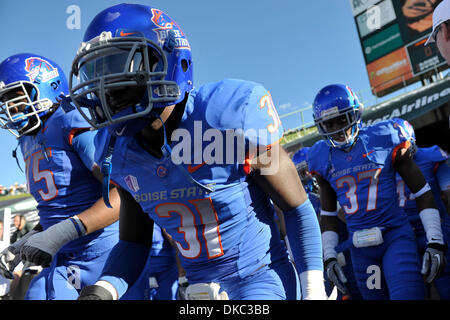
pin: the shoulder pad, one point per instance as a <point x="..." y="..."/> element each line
<point x="223" y="102"/>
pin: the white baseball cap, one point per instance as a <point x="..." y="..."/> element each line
<point x="440" y="15"/>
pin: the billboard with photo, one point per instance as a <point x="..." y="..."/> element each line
<point x="390" y="31"/>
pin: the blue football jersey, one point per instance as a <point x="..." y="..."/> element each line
<point x="160" y="246"/>
<point x="364" y="177"/>
<point x="428" y="160"/>
<point x="227" y="232"/>
<point x="56" y="175"/>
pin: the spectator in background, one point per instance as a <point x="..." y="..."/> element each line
<point x="23" y="227"/>
<point x="1" y="230"/>
<point x="441" y="29"/>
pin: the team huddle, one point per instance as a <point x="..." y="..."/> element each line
<point x="151" y="188"/>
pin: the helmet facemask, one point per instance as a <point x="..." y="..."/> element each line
<point x="120" y="79"/>
<point x="21" y="107"/>
<point x="341" y="137"/>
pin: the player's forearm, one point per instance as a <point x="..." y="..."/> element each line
<point x="303" y="232"/>
<point x="98" y="216"/>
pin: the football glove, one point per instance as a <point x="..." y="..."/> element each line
<point x="41" y="247"/>
<point x="434" y="261"/>
<point x="335" y="274"/>
<point x="182" y="286"/>
<point x="10" y="257"/>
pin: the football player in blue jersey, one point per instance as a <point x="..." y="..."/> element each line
<point x="357" y="166"/>
<point x="202" y="163"/>
<point x="350" y="289"/>
<point x="432" y="163"/>
<point x="76" y="230"/>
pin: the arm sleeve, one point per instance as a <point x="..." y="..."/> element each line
<point x="302" y="228"/>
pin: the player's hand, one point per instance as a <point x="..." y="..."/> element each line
<point x="434" y="261"/>
<point x="6" y="260"/>
<point x="94" y="292"/>
<point x="41" y="247"/>
<point x="335" y="274"/>
<point x="37" y="250"/>
<point x="10" y="257"/>
<point x="182" y="286"/>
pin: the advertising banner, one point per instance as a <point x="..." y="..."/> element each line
<point x="372" y="20"/>
<point x="415" y="18"/>
<point x="359" y="6"/>
<point x="424" y="58"/>
<point x="389" y="71"/>
<point x="382" y="43"/>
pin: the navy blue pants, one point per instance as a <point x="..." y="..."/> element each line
<point x="390" y="270"/>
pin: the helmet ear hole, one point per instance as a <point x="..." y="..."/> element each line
<point x="153" y="60"/>
<point x="185" y="64"/>
<point x="31" y="91"/>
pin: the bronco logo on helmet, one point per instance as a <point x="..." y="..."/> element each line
<point x="40" y="70"/>
<point x="165" y="24"/>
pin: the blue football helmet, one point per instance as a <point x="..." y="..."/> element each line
<point x="29" y="87"/>
<point x="300" y="160"/>
<point x="407" y="131"/>
<point x="336" y="109"/>
<point x="133" y="59"/>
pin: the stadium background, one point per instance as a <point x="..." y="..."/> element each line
<point x="415" y="77"/>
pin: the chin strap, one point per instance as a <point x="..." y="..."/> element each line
<point x="106" y="170"/>
<point x="166" y="150"/>
<point x="14" y="154"/>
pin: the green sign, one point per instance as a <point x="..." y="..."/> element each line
<point x="382" y="43"/>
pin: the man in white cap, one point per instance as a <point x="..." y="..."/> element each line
<point x="441" y="29"/>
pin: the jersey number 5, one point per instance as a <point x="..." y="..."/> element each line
<point x="37" y="175"/>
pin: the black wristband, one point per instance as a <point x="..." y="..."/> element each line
<point x="328" y="261"/>
<point x="438" y="246"/>
<point x="91" y="292"/>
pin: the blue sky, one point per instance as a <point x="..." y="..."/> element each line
<point x="292" y="47"/>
